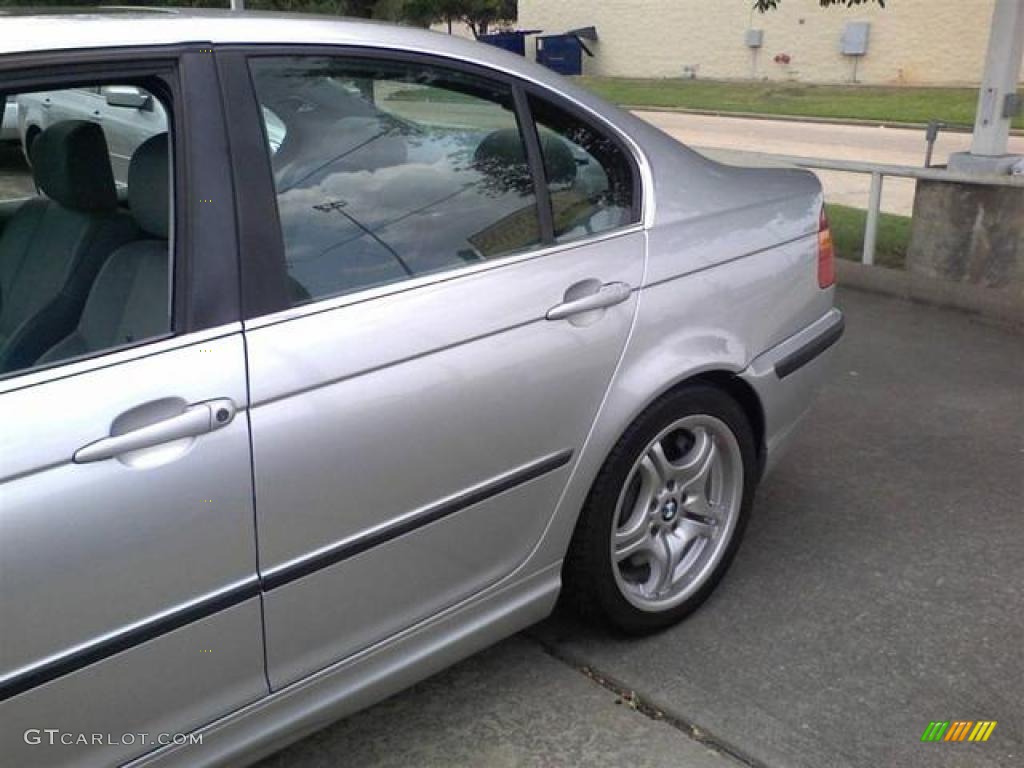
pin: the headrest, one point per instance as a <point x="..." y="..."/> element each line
<point x="149" y="186"/>
<point x="559" y="161"/>
<point x="70" y="163"/>
<point x="504" y="148"/>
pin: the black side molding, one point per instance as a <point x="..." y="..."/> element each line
<point x="73" y="662"/>
<point x="129" y="639"/>
<point x="796" y="360"/>
<point x="428" y="515"/>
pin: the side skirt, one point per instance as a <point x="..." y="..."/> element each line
<point x="366" y="678"/>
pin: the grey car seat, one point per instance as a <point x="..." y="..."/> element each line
<point x="53" y="247"/>
<point x="129" y="300"/>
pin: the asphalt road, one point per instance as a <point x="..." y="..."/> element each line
<point x="896" y="146"/>
<point x="880" y="587"/>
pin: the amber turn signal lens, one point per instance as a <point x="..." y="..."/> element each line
<point x="826" y="253"/>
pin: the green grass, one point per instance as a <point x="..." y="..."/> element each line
<point x="848" y="235"/>
<point x="955" y="106"/>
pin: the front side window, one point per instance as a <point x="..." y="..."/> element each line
<point x="590" y="177"/>
<point x="386" y="171"/>
<point x="85" y="192"/>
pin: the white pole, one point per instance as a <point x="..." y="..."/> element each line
<point x="871" y="226"/>
<point x="237" y="5"/>
<point x="1002" y="72"/>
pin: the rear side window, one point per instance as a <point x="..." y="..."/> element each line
<point x="589" y="176"/>
<point x="85" y="198"/>
<point x="386" y="171"/>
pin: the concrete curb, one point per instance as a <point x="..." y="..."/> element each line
<point x="1001" y="307"/>
<point x="805" y="119"/>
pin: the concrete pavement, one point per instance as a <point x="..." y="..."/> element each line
<point x="898" y="146"/>
<point x="512" y="706"/>
<point x="879" y="588"/>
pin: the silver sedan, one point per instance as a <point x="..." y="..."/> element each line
<point x="390" y="339"/>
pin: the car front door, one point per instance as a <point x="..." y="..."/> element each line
<point x="442" y="340"/>
<point x="129" y="598"/>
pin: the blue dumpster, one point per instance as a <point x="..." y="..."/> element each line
<point x="514" y="41"/>
<point x="564" y="53"/>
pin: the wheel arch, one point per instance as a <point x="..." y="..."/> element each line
<point x="619" y="412"/>
<point x="747" y="398"/>
<point x="725" y="377"/>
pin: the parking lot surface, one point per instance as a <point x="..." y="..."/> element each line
<point x="879" y="587"/>
<point x="881" y="582"/>
<point x="513" y="706"/>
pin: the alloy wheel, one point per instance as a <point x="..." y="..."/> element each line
<point x="676" y="512"/>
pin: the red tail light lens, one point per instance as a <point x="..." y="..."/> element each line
<point x="826" y="253"/>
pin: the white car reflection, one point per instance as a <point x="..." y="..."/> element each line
<point x="129" y="115"/>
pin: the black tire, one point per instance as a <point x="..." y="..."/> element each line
<point x="589" y="583"/>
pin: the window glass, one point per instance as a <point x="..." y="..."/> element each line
<point x="590" y="178"/>
<point x="85" y="192"/>
<point x="386" y="171"/>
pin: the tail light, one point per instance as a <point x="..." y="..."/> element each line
<point x="826" y="253"/>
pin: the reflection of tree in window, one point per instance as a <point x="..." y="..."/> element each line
<point x="368" y="195"/>
<point x="589" y="177"/>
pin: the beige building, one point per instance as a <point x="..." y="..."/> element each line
<point x="910" y="42"/>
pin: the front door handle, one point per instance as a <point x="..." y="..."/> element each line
<point x="196" y="420"/>
<point x="607" y="295"/>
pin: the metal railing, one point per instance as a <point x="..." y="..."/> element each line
<point x="877" y="171"/>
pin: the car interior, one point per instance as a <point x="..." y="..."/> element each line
<point x="80" y="270"/>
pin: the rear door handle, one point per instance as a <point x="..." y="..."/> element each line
<point x="196" y="420"/>
<point x="607" y="295"/>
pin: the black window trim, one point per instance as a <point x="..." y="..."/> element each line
<point x="532" y="90"/>
<point x="263" y="252"/>
<point x="535" y="158"/>
<point x="263" y="275"/>
<point x="205" y="281"/>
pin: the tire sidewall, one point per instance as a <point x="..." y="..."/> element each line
<point x="686" y="401"/>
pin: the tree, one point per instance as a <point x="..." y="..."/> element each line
<point x="426" y="12"/>
<point x="478" y="15"/>
<point x="769" y="5"/>
<point x="481" y="14"/>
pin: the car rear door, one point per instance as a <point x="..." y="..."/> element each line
<point x="425" y="358"/>
<point x="129" y="599"/>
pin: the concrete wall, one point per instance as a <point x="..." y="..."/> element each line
<point x="913" y="42"/>
<point x="458" y="29"/>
